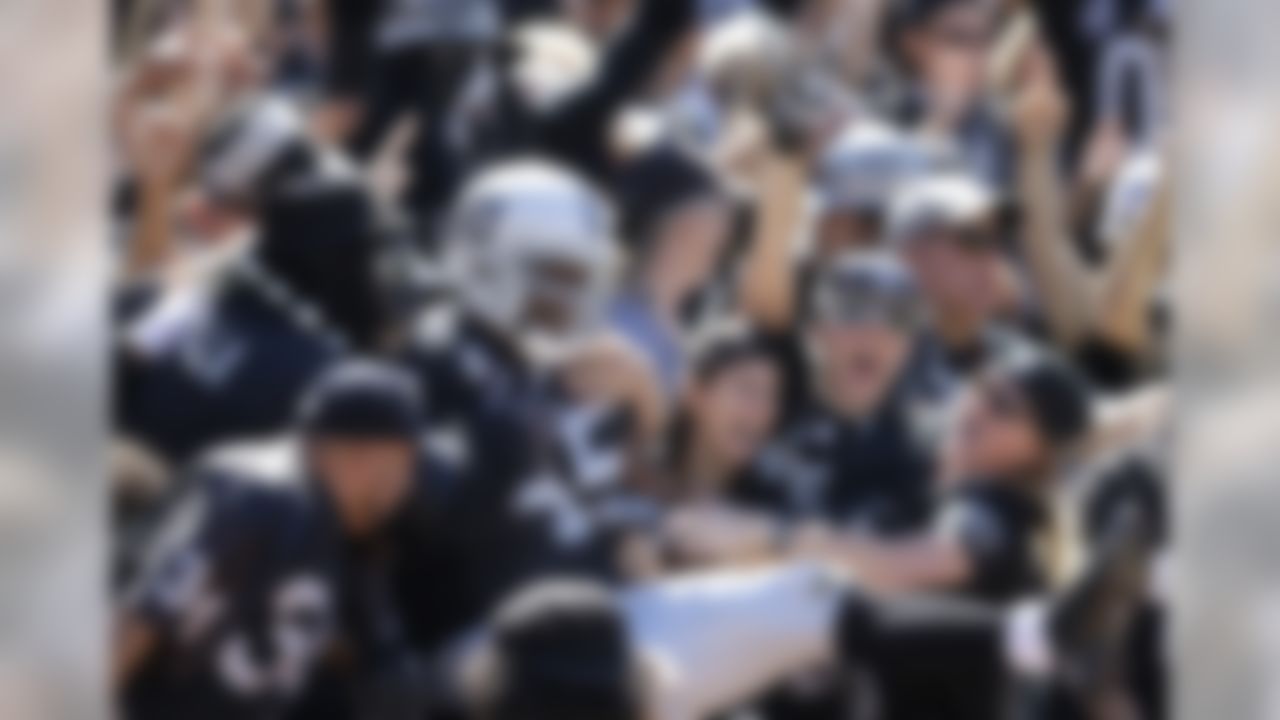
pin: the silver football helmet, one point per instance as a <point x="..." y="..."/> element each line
<point x="532" y="251"/>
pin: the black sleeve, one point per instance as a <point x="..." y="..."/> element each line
<point x="515" y="12"/>
<point x="350" y="28"/>
<point x="787" y="350"/>
<point x="576" y="130"/>
<point x="391" y="89"/>
<point x="1109" y="366"/>
<point x="998" y="546"/>
<point x="1133" y="483"/>
<point x="191" y="551"/>
<point x="1060" y="26"/>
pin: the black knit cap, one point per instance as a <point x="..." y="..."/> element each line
<point x="564" y="654"/>
<point x="1057" y="396"/>
<point x="362" y="399"/>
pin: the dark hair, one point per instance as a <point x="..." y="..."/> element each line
<point x="1057" y="396"/>
<point x="323" y="244"/>
<point x="715" y="350"/>
<point x="561" y="651"/>
<point x="904" y="16"/>
<point x="657" y="182"/>
<point x="723" y="344"/>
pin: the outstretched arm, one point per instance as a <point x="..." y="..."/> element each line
<point x="1065" y="286"/>
<point x="926" y="562"/>
<point x="1122" y="318"/>
<point x="768" y="287"/>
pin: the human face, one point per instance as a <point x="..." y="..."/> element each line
<point x="559" y="295"/>
<point x="367" y="479"/>
<point x="960" y="273"/>
<point x="205" y="219"/>
<point x="994" y="434"/>
<point x="735" y="410"/>
<point x="858" y="362"/>
<point x="688" y="247"/>
<point x="597" y="18"/>
<point x="950" y="52"/>
<point x="842" y="231"/>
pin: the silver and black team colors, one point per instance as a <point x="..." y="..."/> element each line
<point x="540" y="476"/>
<point x="242" y="595"/>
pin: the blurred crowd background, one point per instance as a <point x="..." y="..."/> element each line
<point x="679" y="285"/>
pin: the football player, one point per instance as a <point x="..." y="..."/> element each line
<point x="533" y="253"/>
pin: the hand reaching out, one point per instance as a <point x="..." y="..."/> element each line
<point x="716" y="534"/>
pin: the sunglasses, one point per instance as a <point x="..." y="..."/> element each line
<point x="854" y="302"/>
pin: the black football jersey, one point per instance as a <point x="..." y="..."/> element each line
<point x="874" y="476"/>
<point x="242" y="591"/>
<point x="1001" y="529"/>
<point x="540" y="486"/>
<point x="201" y="368"/>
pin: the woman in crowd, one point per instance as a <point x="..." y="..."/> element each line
<point x="679" y="222"/>
<point x="1002" y="460"/>
<point x="729" y="410"/>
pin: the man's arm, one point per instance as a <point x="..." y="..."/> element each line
<point x="925" y="562"/>
<point x="1063" y="282"/>
<point x="722" y="536"/>
<point x="1122" y="317"/>
<point x="768" y="287"/>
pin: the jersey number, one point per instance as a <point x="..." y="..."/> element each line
<point x="301" y="619"/>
